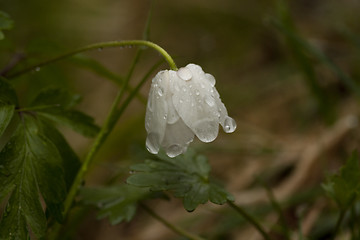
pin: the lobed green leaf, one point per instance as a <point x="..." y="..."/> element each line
<point x="118" y="203"/>
<point x="344" y="187"/>
<point x="32" y="167"/>
<point x="186" y="176"/>
<point x="8" y="102"/>
<point x="56" y="105"/>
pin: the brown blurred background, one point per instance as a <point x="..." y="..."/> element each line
<point x="259" y="78"/>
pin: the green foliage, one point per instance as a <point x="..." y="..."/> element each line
<point x="36" y="163"/>
<point x="187" y="176"/>
<point x="344" y="187"/>
<point x="8" y="102"/>
<point x="118" y="203"/>
<point x="6" y="23"/>
<point x="32" y="166"/>
<point x="55" y="104"/>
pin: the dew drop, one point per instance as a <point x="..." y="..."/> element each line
<point x="197" y="92"/>
<point x="165" y="116"/>
<point x="229" y="125"/>
<point x="160" y="91"/>
<point x="206" y="130"/>
<point x="152" y="143"/>
<point x="181" y="101"/>
<point x="210" y="101"/>
<point x="37" y="69"/>
<point x="174" y="150"/>
<point x="184" y="89"/>
<point x="184" y="73"/>
<point x="202" y="85"/>
<point x="211" y="79"/>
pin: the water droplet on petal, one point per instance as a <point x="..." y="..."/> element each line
<point x="211" y="79"/>
<point x="160" y="91"/>
<point x="229" y="125"/>
<point x="210" y="101"/>
<point x="152" y="143"/>
<point x="184" y="73"/>
<point x="202" y="85"/>
<point x="181" y="101"/>
<point x="184" y="89"/>
<point x="174" y="150"/>
<point x="206" y="130"/>
<point x="197" y="92"/>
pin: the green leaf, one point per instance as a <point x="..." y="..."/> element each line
<point x="97" y="68"/>
<point x="118" y="203"/>
<point x="186" y="176"/>
<point x="7" y="92"/>
<point x="71" y="162"/>
<point x="56" y="97"/>
<point x="56" y="105"/>
<point x="5" y="23"/>
<point x="31" y="167"/>
<point x="344" y="187"/>
<point x="8" y="101"/>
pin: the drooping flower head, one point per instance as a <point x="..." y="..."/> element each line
<point x="182" y="104"/>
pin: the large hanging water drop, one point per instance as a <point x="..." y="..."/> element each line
<point x="184" y="73"/>
<point x="229" y="125"/>
<point x="174" y="150"/>
<point x="152" y="143"/>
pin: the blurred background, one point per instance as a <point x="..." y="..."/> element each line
<point x="287" y="72"/>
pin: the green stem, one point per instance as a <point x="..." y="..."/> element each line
<point x="277" y="207"/>
<point x="100" y="138"/>
<point x="172" y="227"/>
<point x="111" y="122"/>
<point x="101" y="45"/>
<point x="338" y="223"/>
<point x="342" y="215"/>
<point x="250" y="219"/>
<point x="37" y="108"/>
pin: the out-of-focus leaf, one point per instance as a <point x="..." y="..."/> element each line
<point x="299" y="48"/>
<point x="56" y="97"/>
<point x="6" y="23"/>
<point x="344" y="187"/>
<point x="118" y="203"/>
<point x="30" y="166"/>
<point x="55" y="104"/>
<point x="8" y="101"/>
<point x="285" y="25"/>
<point x="186" y="176"/>
<point x="96" y="67"/>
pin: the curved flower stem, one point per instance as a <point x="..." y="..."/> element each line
<point x="172" y="227"/>
<point x="101" y="45"/>
<point x="250" y="219"/>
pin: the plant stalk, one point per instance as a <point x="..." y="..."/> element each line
<point x="250" y="219"/>
<point x="172" y="227"/>
<point x="101" y="45"/>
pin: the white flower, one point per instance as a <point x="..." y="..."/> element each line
<point x="182" y="104"/>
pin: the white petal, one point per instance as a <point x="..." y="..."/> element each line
<point x="177" y="138"/>
<point x="195" y="103"/>
<point x="156" y="111"/>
